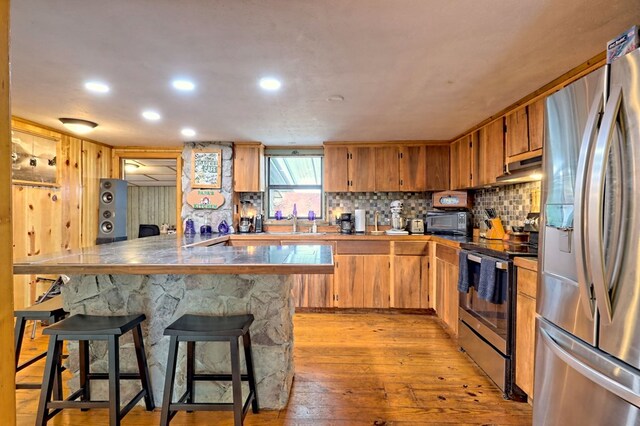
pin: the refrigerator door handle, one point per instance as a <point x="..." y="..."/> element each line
<point x="610" y="384"/>
<point x="580" y="225"/>
<point x="594" y="211"/>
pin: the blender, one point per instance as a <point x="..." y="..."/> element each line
<point x="246" y="221"/>
<point x="397" y="220"/>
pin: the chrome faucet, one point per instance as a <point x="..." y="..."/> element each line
<point x="294" y="222"/>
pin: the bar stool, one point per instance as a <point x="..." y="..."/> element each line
<point x="198" y="328"/>
<point x="84" y="328"/>
<point x="51" y="311"/>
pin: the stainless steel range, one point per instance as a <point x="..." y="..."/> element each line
<point x="487" y="309"/>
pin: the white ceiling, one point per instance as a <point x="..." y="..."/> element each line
<point x="407" y="69"/>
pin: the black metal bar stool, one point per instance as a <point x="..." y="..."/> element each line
<point x="197" y="328"/>
<point x="84" y="328"/>
<point x="50" y="311"/>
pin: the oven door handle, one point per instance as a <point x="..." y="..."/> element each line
<point x="478" y="259"/>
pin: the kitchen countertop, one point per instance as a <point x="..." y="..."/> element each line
<point x="526" y="262"/>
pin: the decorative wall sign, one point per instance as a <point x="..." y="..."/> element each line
<point x="206" y="168"/>
<point x="205" y="199"/>
<point x="33" y="158"/>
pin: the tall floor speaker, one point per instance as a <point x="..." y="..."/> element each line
<point x="112" y="219"/>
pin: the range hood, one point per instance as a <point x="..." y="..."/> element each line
<point x="528" y="170"/>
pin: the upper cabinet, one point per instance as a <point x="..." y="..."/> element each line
<point x="248" y="167"/>
<point x="491" y="153"/>
<point x="389" y="168"/>
<point x="464" y="162"/>
<point x="525" y="132"/>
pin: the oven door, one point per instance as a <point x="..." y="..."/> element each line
<point x="489" y="320"/>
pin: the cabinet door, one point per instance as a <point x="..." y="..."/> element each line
<point x="335" y="169"/>
<point x="437" y="176"/>
<point x="248" y="168"/>
<point x="407" y="279"/>
<point x="376" y="281"/>
<point x="517" y="136"/>
<point x="348" y="281"/>
<point x="387" y="171"/>
<point x="454" y="164"/>
<point x="536" y="124"/>
<point x="362" y="169"/>
<point x="491" y="152"/>
<point x="413" y="166"/>
<point x="525" y="342"/>
<point x="441" y="295"/>
<point x="452" y="298"/>
<point x="313" y="291"/>
<point x="464" y="163"/>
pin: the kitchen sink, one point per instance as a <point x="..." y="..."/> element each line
<point x="295" y="233"/>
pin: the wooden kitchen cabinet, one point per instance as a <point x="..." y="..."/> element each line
<point x="362" y="169"/>
<point x="410" y="272"/>
<point x="464" y="162"/>
<point x="387" y="168"/>
<point x="437" y="165"/>
<point x="361" y="281"/>
<point x="336" y="177"/>
<point x="491" y="153"/>
<point x="248" y="167"/>
<point x="526" y="281"/>
<point x="376" y="279"/>
<point x="525" y="132"/>
<point x="447" y="297"/>
<point x="413" y="168"/>
<point x="535" y="120"/>
<point x="311" y="290"/>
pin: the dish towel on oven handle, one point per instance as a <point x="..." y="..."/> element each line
<point x="489" y="287"/>
<point x="463" y="273"/>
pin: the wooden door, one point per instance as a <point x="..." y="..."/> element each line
<point x="335" y="169"/>
<point x="248" y="167"/>
<point x="454" y="164"/>
<point x="387" y="168"/>
<point x="536" y="124"/>
<point x="437" y="164"/>
<point x="517" y="135"/>
<point x="452" y="297"/>
<point x="348" y="281"/>
<point x="362" y="169"/>
<point x="376" y="281"/>
<point x="407" y="279"/>
<point x="491" y="152"/>
<point x="413" y="166"/>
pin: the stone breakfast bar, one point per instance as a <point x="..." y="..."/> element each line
<point x="167" y="276"/>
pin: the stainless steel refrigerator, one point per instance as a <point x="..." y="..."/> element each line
<point x="587" y="369"/>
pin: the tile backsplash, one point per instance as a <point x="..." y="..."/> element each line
<point x="512" y="202"/>
<point x="416" y="204"/>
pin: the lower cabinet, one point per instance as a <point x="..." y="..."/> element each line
<point x="361" y="281"/>
<point x="447" y="286"/>
<point x="313" y="291"/>
<point x="525" y="328"/>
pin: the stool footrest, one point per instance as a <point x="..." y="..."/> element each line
<point x="105" y="376"/>
<point x="209" y="406"/>
<point x="28" y="385"/>
<point x="218" y="377"/>
<point x="31" y="361"/>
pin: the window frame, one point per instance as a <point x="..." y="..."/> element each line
<point x="268" y="186"/>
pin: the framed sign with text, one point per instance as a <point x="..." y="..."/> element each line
<point x="206" y="168"/>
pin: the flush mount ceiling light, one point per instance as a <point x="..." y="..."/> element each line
<point x="188" y="132"/>
<point x="270" y="83"/>
<point x="183" y="85"/>
<point x="335" y="98"/>
<point x="151" y="115"/>
<point x="78" y="126"/>
<point x="96" y="87"/>
<point x="130" y="167"/>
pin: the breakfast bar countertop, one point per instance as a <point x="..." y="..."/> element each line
<point x="173" y="254"/>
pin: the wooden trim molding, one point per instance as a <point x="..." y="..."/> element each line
<point x="7" y="359"/>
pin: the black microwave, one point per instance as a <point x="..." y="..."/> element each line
<point x="449" y="223"/>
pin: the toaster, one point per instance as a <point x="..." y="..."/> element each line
<point x="416" y="226"/>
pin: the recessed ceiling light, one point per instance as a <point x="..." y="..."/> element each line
<point x="78" y="126"/>
<point x="335" y="98"/>
<point x="96" y="86"/>
<point x="184" y="85"/>
<point x="270" y="83"/>
<point x="151" y="115"/>
<point x="188" y="132"/>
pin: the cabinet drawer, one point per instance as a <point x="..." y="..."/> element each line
<point x="411" y="248"/>
<point x="362" y="247"/>
<point x="527" y="282"/>
<point x="447" y="254"/>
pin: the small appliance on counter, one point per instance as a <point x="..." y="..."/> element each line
<point x="361" y="221"/>
<point x="531" y="226"/>
<point x="246" y="221"/>
<point x="258" y="222"/>
<point x="449" y="222"/>
<point x="346" y="223"/>
<point x="416" y="226"/>
<point x="397" y="220"/>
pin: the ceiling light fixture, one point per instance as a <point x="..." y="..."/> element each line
<point x="184" y="85"/>
<point x="151" y="115"/>
<point x="188" y="132"/>
<point x="96" y="86"/>
<point x="270" y="83"/>
<point x="335" y="98"/>
<point x="130" y="167"/>
<point x="78" y="126"/>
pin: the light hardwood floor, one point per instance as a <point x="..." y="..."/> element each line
<point x="353" y="369"/>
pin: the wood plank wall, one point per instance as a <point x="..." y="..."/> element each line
<point x="7" y="367"/>
<point x="150" y="205"/>
<point x="50" y="219"/>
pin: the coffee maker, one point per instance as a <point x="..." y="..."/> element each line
<point x="246" y="221"/>
<point x="346" y="223"/>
